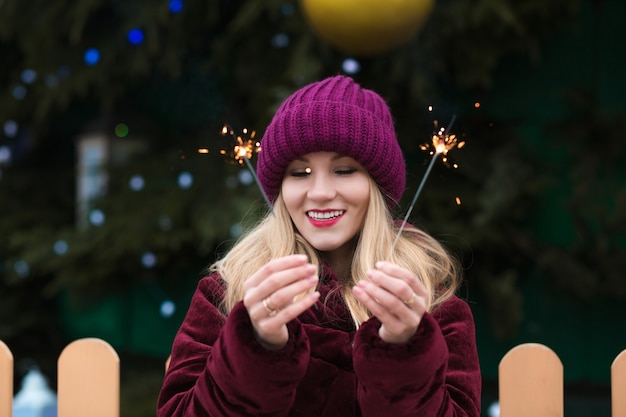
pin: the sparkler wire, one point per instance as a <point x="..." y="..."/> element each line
<point x="417" y="193"/>
<point x="419" y="190"/>
<point x="258" y="183"/>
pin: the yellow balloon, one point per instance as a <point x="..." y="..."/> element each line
<point x="366" y="27"/>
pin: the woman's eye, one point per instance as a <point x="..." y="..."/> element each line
<point x="345" y="171"/>
<point x="300" y="173"/>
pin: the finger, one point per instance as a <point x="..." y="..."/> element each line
<point x="272" y="331"/>
<point x="274" y="266"/>
<point x="387" y="302"/>
<point x="394" y="328"/>
<point x="370" y="303"/>
<point x="272" y="325"/>
<point x="409" y="277"/>
<point x="287" y="294"/>
<point x="396" y="286"/>
<point x="280" y="298"/>
<point x="294" y="309"/>
<point x="299" y="276"/>
<point x="286" y="277"/>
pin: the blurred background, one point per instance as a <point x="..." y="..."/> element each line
<point x="114" y="195"/>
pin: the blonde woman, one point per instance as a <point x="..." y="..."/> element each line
<point x="311" y="313"/>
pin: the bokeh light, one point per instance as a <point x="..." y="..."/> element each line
<point x="245" y="177"/>
<point x="97" y="217"/>
<point x="136" y="183"/>
<point x="236" y="230"/>
<point x="280" y="40"/>
<point x="168" y="308"/>
<point x="19" y="92"/>
<point x="185" y="180"/>
<point x="60" y="247"/>
<point x="21" y="268"/>
<point x="351" y="66"/>
<point x="176" y="6"/>
<point x="121" y="130"/>
<point x="135" y="36"/>
<point x="148" y="260"/>
<point x="28" y="76"/>
<point x="92" y="56"/>
<point x="5" y="155"/>
<point x="10" y="128"/>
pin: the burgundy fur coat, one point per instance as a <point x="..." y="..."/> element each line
<point x="327" y="368"/>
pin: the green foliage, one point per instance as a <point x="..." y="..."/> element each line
<point x="215" y="63"/>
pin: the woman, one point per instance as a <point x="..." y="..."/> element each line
<point x="312" y="313"/>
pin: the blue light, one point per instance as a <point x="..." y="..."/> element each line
<point x="92" y="56"/>
<point x="96" y="217"/>
<point x="29" y="76"/>
<point x="10" y="128"/>
<point x="185" y="180"/>
<point x="135" y="36"/>
<point x="351" y="66"/>
<point x="280" y="40"/>
<point x="5" y="155"/>
<point x="136" y="183"/>
<point x="245" y="177"/>
<point x="168" y="308"/>
<point x="176" y="6"/>
<point x="148" y="260"/>
<point x="236" y="230"/>
<point x="21" y="268"/>
<point x="19" y="92"/>
<point x="60" y="247"/>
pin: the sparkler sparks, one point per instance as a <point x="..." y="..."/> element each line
<point x="245" y="146"/>
<point x="442" y="142"/>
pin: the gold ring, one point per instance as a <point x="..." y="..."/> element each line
<point x="268" y="306"/>
<point x="410" y="301"/>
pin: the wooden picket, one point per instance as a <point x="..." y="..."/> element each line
<point x="89" y="380"/>
<point x="530" y="382"/>
<point x="6" y="381"/>
<point x="618" y="385"/>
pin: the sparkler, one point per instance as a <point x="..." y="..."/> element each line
<point x="442" y="143"/>
<point x="244" y="148"/>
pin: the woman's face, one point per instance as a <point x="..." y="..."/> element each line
<point x="327" y="196"/>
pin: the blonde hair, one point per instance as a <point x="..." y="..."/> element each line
<point x="275" y="236"/>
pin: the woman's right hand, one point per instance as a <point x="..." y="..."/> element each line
<point x="270" y="297"/>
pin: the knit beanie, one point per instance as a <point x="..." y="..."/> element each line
<point x="333" y="115"/>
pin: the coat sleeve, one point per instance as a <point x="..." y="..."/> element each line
<point x="218" y="368"/>
<point x="435" y="374"/>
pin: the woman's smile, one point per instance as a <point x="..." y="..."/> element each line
<point x="324" y="218"/>
<point x="327" y="196"/>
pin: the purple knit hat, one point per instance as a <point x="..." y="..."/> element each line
<point x="333" y="115"/>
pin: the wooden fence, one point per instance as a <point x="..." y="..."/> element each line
<point x="88" y="380"/>
<point x="530" y="381"/>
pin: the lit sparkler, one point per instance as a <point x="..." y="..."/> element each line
<point x="244" y="148"/>
<point x="442" y="143"/>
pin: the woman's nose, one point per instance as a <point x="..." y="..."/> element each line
<point x="321" y="187"/>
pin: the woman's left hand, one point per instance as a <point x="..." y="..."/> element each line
<point x="396" y="297"/>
